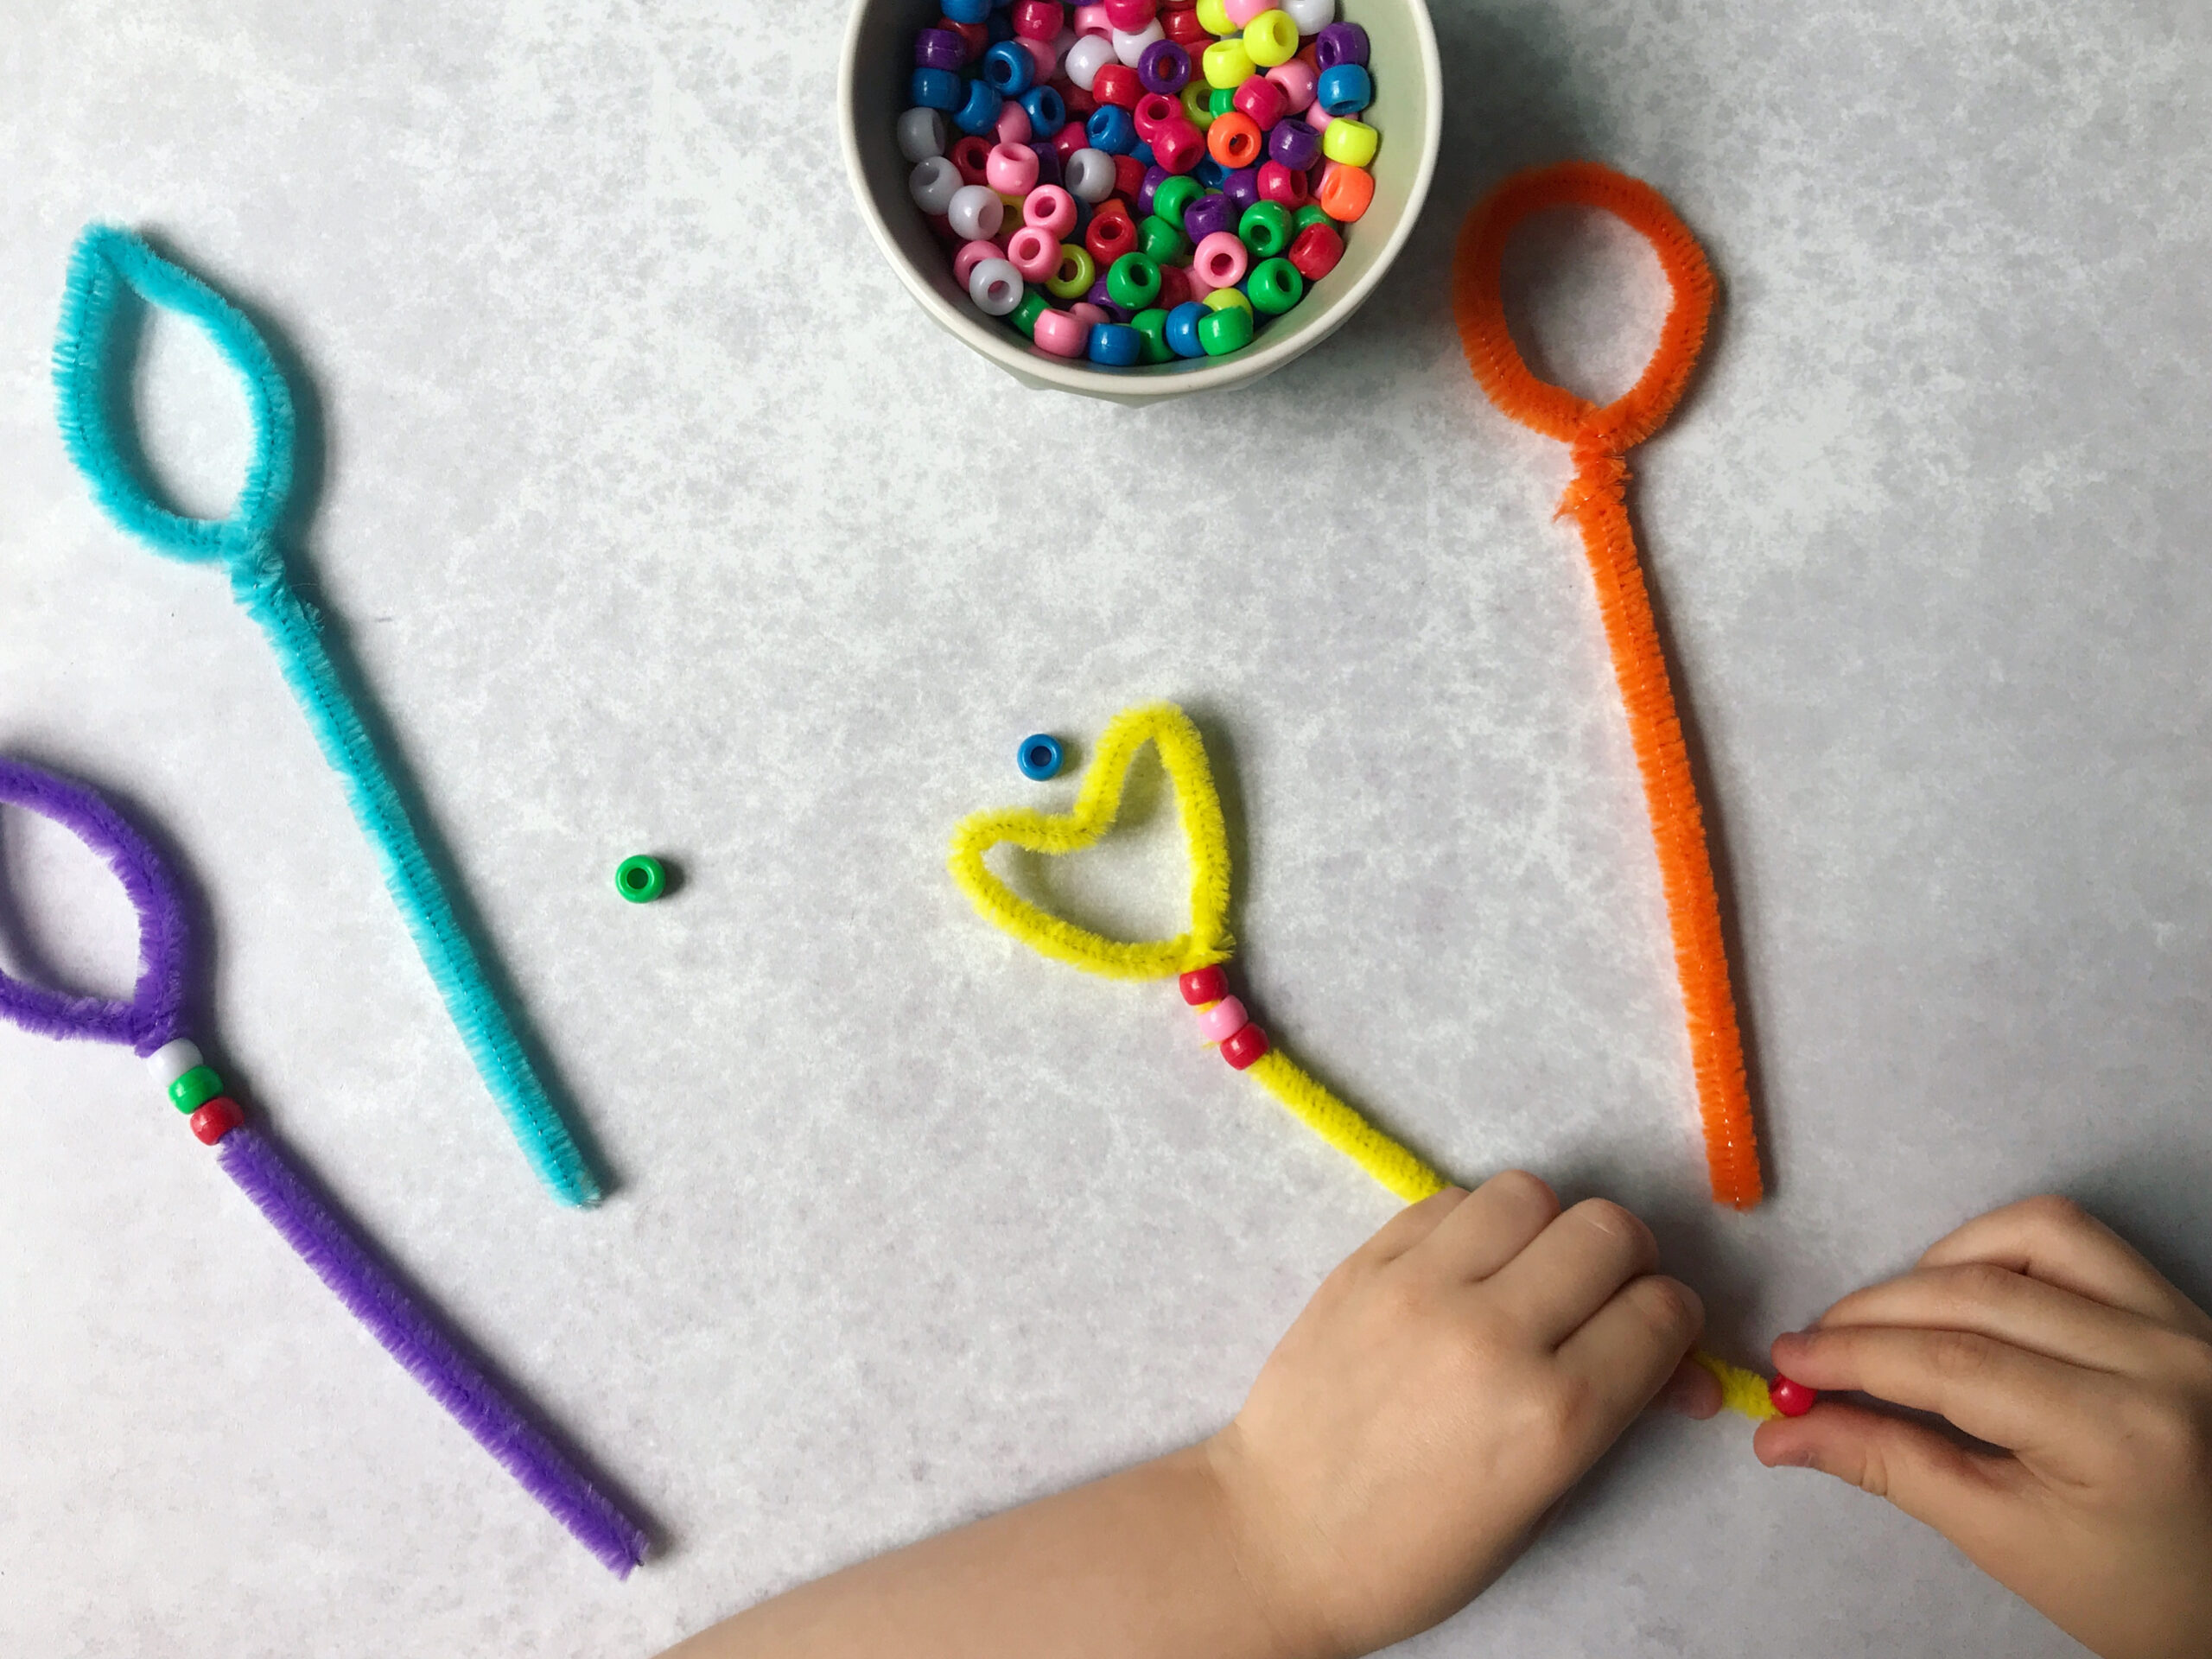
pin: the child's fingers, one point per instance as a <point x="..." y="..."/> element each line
<point x="1998" y="1393"/>
<point x="1994" y="1301"/>
<point x="1692" y="1390"/>
<point x="1496" y="1223"/>
<point x="1626" y="1351"/>
<point x="1960" y="1493"/>
<point x="2054" y="1240"/>
<point x="1409" y="1226"/>
<point x="1573" y="1268"/>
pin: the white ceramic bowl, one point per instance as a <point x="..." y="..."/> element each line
<point x="1407" y="110"/>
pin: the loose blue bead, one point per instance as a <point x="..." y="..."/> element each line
<point x="1041" y="756"/>
<point x="968" y="11"/>
<point x="1009" y="68"/>
<point x="980" y="114"/>
<point x="1210" y="173"/>
<point x="1181" y="329"/>
<point x="1047" y="111"/>
<point x="937" y="89"/>
<point x="1141" y="150"/>
<point x="1112" y="129"/>
<point x="1345" y="90"/>
<point x="1114" y="344"/>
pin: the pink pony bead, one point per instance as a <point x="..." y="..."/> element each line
<point x="1013" y="124"/>
<point x="1047" y="55"/>
<point x="1316" y="117"/>
<point x="1088" y="315"/>
<point x="971" y="255"/>
<point x="1033" y="253"/>
<point x="1129" y="15"/>
<point x="1011" y="167"/>
<point x="1222" y="1020"/>
<point x="1295" y="80"/>
<point x="1242" y="12"/>
<point x="1050" y="209"/>
<point x="1061" y="333"/>
<point x="1092" y="20"/>
<point x="1220" y="260"/>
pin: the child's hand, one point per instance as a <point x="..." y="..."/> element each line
<point x="1443" y="1390"/>
<point x="2036" y="1330"/>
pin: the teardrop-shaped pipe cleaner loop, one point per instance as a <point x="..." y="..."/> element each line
<point x="155" y="1013"/>
<point x="108" y="265"/>
<point x="1599" y="436"/>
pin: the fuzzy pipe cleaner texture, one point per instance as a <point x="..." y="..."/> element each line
<point x="1204" y="943"/>
<point x="108" y="266"/>
<point x="323" y="1239"/>
<point x="1597" y="500"/>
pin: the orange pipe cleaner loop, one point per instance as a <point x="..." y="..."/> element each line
<point x="1597" y="500"/>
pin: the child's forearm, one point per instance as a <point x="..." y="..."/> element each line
<point x="1155" y="1561"/>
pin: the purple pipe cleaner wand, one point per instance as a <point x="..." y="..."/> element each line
<point x="152" y="1024"/>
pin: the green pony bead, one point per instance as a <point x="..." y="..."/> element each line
<point x="1173" y="195"/>
<point x="640" y="880"/>
<point x="1220" y="101"/>
<point x="1311" y="213"/>
<point x="1265" y="228"/>
<point x="196" y="1089"/>
<point x="1072" y="277"/>
<point x="1274" y="287"/>
<point x="1227" y="330"/>
<point x="1194" y="104"/>
<point x="1024" y="316"/>
<point x="1159" y="240"/>
<point x="1152" y="336"/>
<point x="1132" y="281"/>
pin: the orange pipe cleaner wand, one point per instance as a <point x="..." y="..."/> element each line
<point x="1597" y="501"/>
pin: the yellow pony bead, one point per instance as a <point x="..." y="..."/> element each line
<point x="1345" y="140"/>
<point x="1228" y="65"/>
<point x="1271" y="38"/>
<point x="1213" y="17"/>
<point x="1222" y="299"/>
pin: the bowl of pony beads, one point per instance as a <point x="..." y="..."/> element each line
<point x="1137" y="199"/>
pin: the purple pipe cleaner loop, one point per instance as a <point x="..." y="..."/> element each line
<point x="155" y="1013"/>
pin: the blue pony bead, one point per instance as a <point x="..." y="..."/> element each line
<point x="1009" y="68"/>
<point x="1047" y="111"/>
<point x="980" y="114"/>
<point x="1112" y="129"/>
<point x="1345" y="90"/>
<point x="1115" y="344"/>
<point x="1180" y="331"/>
<point x="936" y="89"/>
<point x="968" y="11"/>
<point x="1041" y="756"/>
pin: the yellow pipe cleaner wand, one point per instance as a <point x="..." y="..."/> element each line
<point x="1194" y="956"/>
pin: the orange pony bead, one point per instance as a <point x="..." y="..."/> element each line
<point x="1234" y="140"/>
<point x="1346" y="193"/>
<point x="1598" y="502"/>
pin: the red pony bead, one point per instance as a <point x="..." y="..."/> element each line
<point x="1791" y="1398"/>
<point x="1178" y="147"/>
<point x="1129" y="177"/>
<point x="1117" y="84"/>
<point x="217" y="1118"/>
<point x="1184" y="27"/>
<point x="1112" y="233"/>
<point x="1284" y="184"/>
<point x="1315" y="251"/>
<point x="1069" y="139"/>
<point x="1246" y="1046"/>
<point x="1130" y="15"/>
<point x="1175" y="290"/>
<point x="972" y="156"/>
<point x="1202" y="985"/>
<point x="974" y="36"/>
<point x="1039" y="20"/>
<point x="1262" y="99"/>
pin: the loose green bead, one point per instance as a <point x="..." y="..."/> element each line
<point x="1265" y="229"/>
<point x="1024" y="316"/>
<point x="1227" y="330"/>
<point x="1132" y="281"/>
<point x="1311" y="213"/>
<point x="196" y="1089"/>
<point x="1274" y="286"/>
<point x="1194" y="104"/>
<point x="1159" y="240"/>
<point x="1152" y="336"/>
<point x="640" y="880"/>
<point x="1072" y="277"/>
<point x="1172" y="197"/>
<point x="1221" y="100"/>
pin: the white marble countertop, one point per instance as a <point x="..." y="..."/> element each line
<point x="659" y="518"/>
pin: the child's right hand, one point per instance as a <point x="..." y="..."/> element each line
<point x="2036" y="1329"/>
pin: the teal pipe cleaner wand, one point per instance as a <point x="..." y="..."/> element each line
<point x="108" y="265"/>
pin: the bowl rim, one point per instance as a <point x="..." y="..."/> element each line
<point x="1036" y="368"/>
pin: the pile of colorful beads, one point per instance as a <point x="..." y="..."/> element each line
<point x="1172" y="174"/>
